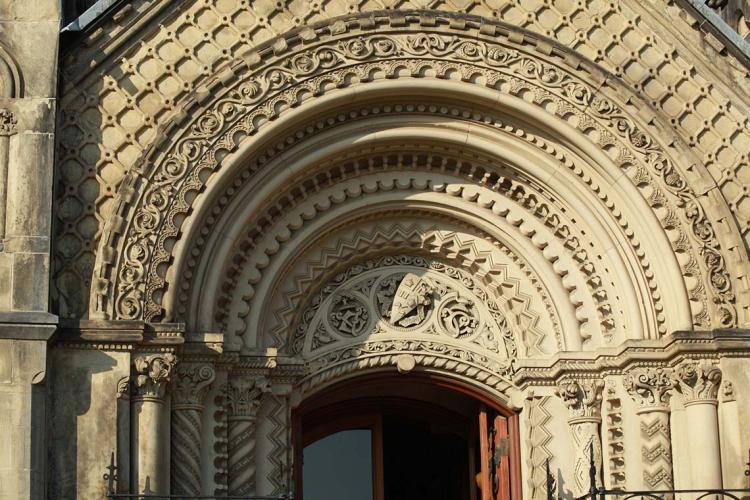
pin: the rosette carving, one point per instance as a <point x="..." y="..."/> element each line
<point x="152" y="373"/>
<point x="698" y="381"/>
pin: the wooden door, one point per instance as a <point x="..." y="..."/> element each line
<point x="494" y="443"/>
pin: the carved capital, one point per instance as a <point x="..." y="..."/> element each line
<point x="697" y="381"/>
<point x="152" y="374"/>
<point x="649" y="387"/>
<point x="583" y="398"/>
<point x="8" y="123"/>
<point x="191" y="382"/>
<point x="243" y="396"/>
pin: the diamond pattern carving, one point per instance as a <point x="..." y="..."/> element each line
<point x="119" y="91"/>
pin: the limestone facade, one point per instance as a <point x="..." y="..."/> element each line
<point x="211" y="211"/>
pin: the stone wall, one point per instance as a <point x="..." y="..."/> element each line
<point x="28" y="86"/>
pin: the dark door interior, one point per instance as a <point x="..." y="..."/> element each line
<point x="424" y="461"/>
<point x="425" y="444"/>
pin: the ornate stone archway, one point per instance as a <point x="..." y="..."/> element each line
<point x="541" y="228"/>
<point x="134" y="255"/>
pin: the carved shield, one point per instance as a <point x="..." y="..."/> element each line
<point x="410" y="301"/>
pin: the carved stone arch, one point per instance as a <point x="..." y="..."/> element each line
<point x="445" y="361"/>
<point x="452" y="242"/>
<point x="293" y="177"/>
<point x="480" y="65"/>
<point x="11" y="83"/>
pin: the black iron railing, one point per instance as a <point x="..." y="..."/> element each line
<point x="112" y="479"/>
<point x="602" y="493"/>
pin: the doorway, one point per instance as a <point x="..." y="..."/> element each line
<point x="398" y="438"/>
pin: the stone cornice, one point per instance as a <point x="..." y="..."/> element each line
<point x="118" y="334"/>
<point x="667" y="351"/>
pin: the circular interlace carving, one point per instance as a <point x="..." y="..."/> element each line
<point x="399" y="298"/>
<point x="349" y="315"/>
<point x="457" y="316"/>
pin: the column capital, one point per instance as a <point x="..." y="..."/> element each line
<point x="152" y="374"/>
<point x="243" y="395"/>
<point x="649" y="387"/>
<point x="190" y="384"/>
<point x="697" y="381"/>
<point x="8" y="123"/>
<point x="582" y="397"/>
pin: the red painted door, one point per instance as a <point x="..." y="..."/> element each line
<point x="494" y="445"/>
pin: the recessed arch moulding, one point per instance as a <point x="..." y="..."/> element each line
<point x="442" y="194"/>
<point x="535" y="145"/>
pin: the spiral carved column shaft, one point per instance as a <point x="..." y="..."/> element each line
<point x="191" y="383"/>
<point x="242" y="455"/>
<point x="243" y="398"/>
<point x="186" y="438"/>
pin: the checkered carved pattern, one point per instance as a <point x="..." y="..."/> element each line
<point x="111" y="110"/>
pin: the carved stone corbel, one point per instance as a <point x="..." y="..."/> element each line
<point x="190" y="386"/>
<point x="649" y="388"/>
<point x="583" y="398"/>
<point x="243" y="400"/>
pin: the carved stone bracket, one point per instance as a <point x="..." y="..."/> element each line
<point x="698" y="382"/>
<point x="151" y="375"/>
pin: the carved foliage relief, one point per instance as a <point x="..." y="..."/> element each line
<point x="237" y="112"/>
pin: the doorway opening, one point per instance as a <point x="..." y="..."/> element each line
<point x="410" y="437"/>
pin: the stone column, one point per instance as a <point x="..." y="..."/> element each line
<point x="583" y="398"/>
<point x="150" y="431"/>
<point x="649" y="388"/>
<point x="243" y="399"/>
<point x="189" y="387"/>
<point x="8" y="123"/>
<point x="699" y="384"/>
